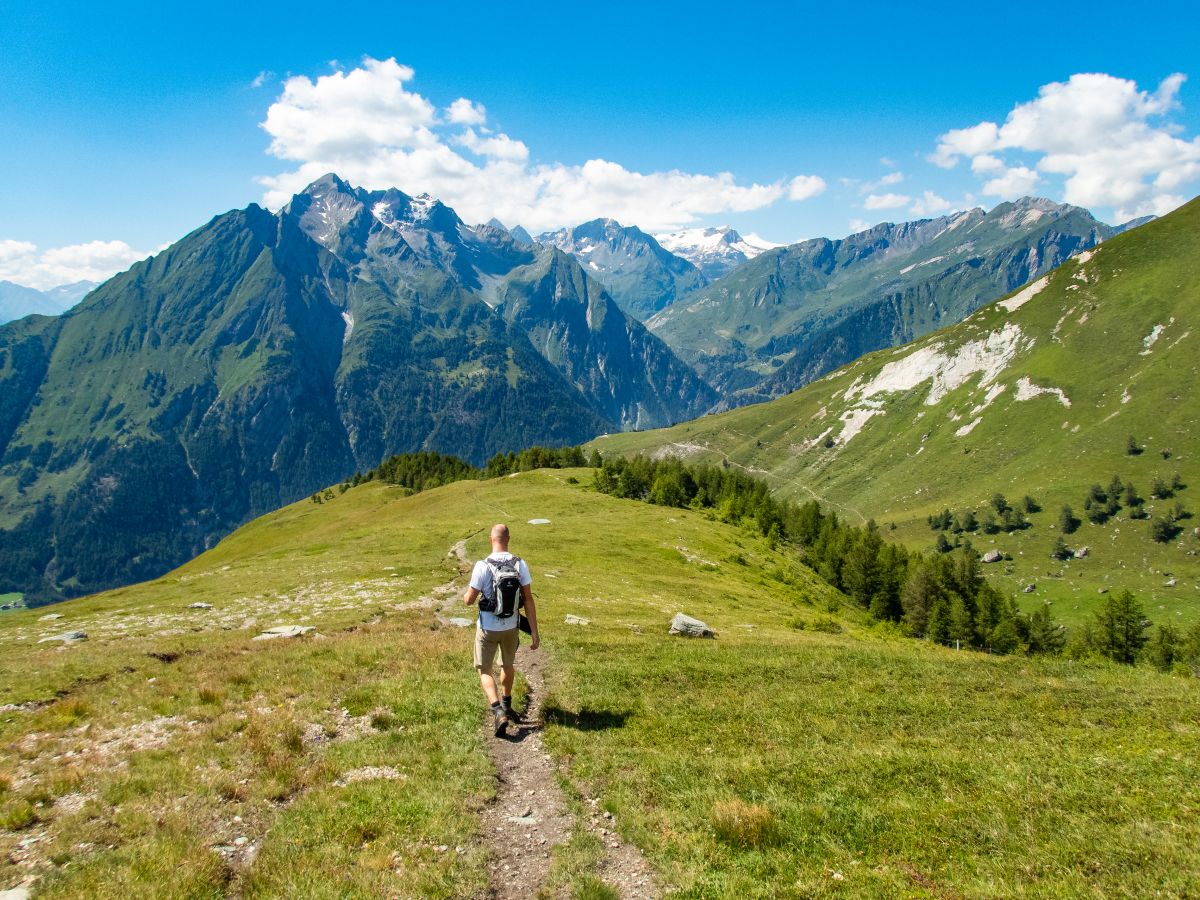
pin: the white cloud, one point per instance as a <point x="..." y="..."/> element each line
<point x="891" y="178"/>
<point x="929" y="204"/>
<point x="1012" y="183"/>
<point x="262" y="78"/>
<point x="21" y="262"/>
<point x="887" y="161"/>
<point x="803" y="187"/>
<point x="463" y="112"/>
<point x="885" y="201"/>
<point x="857" y="225"/>
<point x="365" y="125"/>
<point x="1105" y="137"/>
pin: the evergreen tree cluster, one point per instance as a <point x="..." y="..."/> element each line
<point x="1000" y="515"/>
<point x="940" y="597"/>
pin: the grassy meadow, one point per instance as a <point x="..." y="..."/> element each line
<point x="803" y="752"/>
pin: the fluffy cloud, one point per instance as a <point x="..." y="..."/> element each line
<point x="368" y="127"/>
<point x="802" y="187"/>
<point x="885" y="201"/>
<point x="20" y="261"/>
<point x="1104" y="136"/>
<point x="929" y="204"/>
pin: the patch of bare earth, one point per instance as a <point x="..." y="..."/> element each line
<point x="530" y="815"/>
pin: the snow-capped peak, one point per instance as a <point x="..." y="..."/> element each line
<point x="714" y="250"/>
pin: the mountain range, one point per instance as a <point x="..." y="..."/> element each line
<point x="642" y="276"/>
<point x="265" y="356"/>
<point x="794" y="313"/>
<point x="18" y="301"/>
<point x="714" y="251"/>
<point x="1075" y="391"/>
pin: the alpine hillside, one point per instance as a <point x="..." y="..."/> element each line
<point x="1076" y="391"/>
<point x="794" y="313"/>
<point x="642" y="276"/>
<point x="266" y="355"/>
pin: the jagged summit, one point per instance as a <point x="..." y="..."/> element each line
<point x="715" y="251"/>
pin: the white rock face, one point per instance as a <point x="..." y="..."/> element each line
<point x="1027" y="390"/>
<point x="1031" y="290"/>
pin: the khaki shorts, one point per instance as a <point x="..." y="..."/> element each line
<point x="488" y="642"/>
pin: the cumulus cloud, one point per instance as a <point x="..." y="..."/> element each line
<point x="885" y="201"/>
<point x="857" y="225"/>
<point x="802" y="187"/>
<point x="366" y="125"/>
<point x="463" y="112"/>
<point x="1109" y="140"/>
<point x="23" y="263"/>
<point x="929" y="204"/>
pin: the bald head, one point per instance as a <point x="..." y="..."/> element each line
<point x="499" y="536"/>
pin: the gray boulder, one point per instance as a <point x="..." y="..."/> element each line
<point x="577" y="620"/>
<point x="460" y="622"/>
<point x="199" y="606"/>
<point x="284" y="631"/>
<point x="993" y="556"/>
<point x="690" y="627"/>
<point x="67" y="637"/>
<point x="1082" y="552"/>
<point x="1030" y="588"/>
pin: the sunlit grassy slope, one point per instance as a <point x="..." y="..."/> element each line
<point x="777" y="760"/>
<point x="904" y="433"/>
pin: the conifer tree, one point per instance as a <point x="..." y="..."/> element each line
<point x="1120" y="628"/>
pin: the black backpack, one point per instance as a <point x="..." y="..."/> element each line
<point x="506" y="587"/>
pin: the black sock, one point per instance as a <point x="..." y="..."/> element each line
<point x="508" y="702"/>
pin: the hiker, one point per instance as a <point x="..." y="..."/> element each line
<point x="502" y="581"/>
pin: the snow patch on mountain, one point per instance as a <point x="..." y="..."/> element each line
<point x="714" y="251"/>
<point x="1151" y="339"/>
<point x="348" y="318"/>
<point x="1023" y="296"/>
<point x="1027" y="390"/>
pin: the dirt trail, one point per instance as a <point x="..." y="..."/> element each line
<point x="529" y="815"/>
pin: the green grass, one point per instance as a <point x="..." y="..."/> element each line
<point x="1085" y="337"/>
<point x="759" y="763"/>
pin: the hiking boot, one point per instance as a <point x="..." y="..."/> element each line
<point x="501" y="722"/>
<point x="514" y="717"/>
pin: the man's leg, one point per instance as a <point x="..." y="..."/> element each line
<point x="488" y="682"/>
<point x="485" y="658"/>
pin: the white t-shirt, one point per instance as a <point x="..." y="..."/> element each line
<point x="481" y="580"/>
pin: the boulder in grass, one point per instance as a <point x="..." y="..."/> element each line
<point x="993" y="556"/>
<point x="1030" y="588"/>
<point x="50" y="617"/>
<point x="577" y="620"/>
<point x="690" y="627"/>
<point x="199" y="606"/>
<point x="1082" y="552"/>
<point x="67" y="637"/>
<point x="284" y="631"/>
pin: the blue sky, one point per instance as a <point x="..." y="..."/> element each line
<point x="127" y="125"/>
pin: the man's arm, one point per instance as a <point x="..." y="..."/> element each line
<point x="531" y="615"/>
<point x="470" y="596"/>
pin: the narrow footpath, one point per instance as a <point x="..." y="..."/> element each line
<point x="530" y="816"/>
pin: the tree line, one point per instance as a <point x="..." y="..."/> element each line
<point x="941" y="597"/>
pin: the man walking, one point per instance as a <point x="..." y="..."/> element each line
<point x="495" y="580"/>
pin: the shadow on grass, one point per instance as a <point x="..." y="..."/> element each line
<point x="584" y="720"/>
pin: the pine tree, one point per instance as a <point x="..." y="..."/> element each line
<point x="942" y="545"/>
<point x="1031" y="505"/>
<point x="1121" y="627"/>
<point x="1061" y="550"/>
<point x="1131" y="446"/>
<point x="1042" y="633"/>
<point x="1159" y="489"/>
<point x="1131" y="497"/>
<point x="938" y="629"/>
<point x="1067" y="521"/>
<point x="916" y="598"/>
<point x="961" y="627"/>
<point x="1164" y="646"/>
